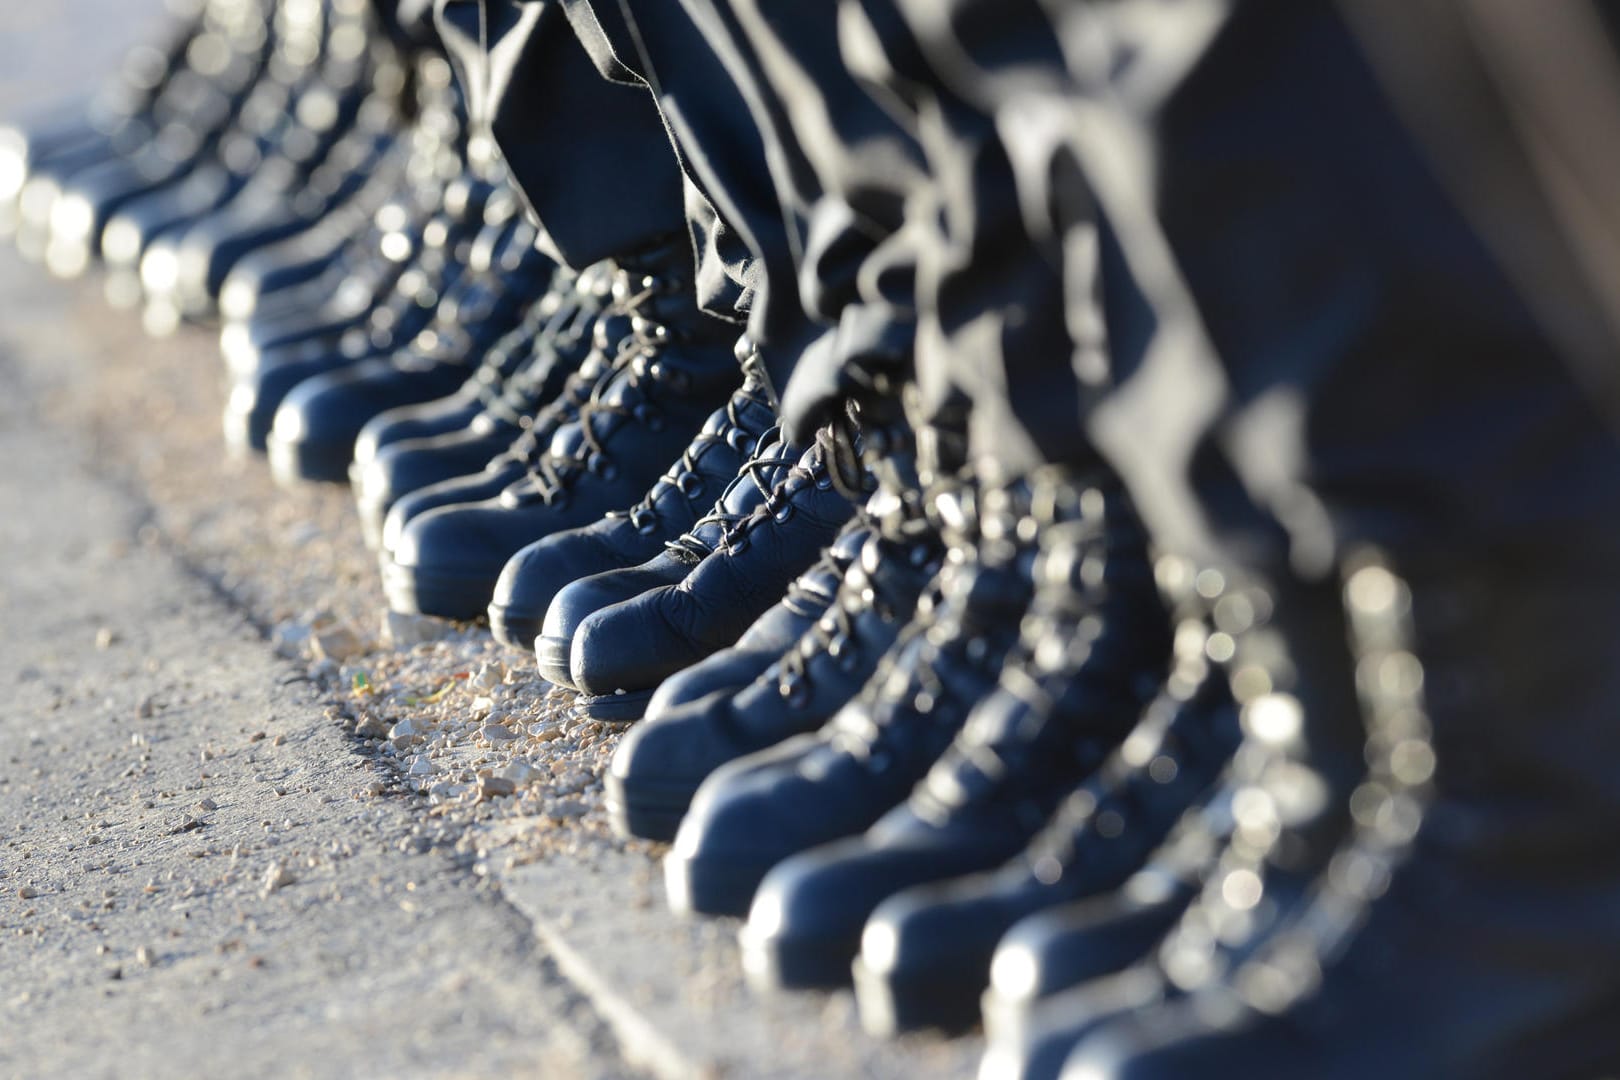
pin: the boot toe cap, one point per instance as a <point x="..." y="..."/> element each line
<point x="630" y="645"/>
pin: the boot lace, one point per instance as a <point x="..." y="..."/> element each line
<point x="684" y="475"/>
<point x="757" y="470"/>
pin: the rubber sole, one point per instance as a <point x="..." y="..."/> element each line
<point x="625" y="707"/>
<point x="699" y="886"/>
<point x="650" y="812"/>
<point x="516" y="631"/>
<point x="411" y="590"/>
<point x="551" y="655"/>
<point x="901" y="1001"/>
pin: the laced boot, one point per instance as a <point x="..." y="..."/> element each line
<point x="536" y="575"/>
<point x="758" y="810"/>
<point x="773" y="633"/>
<point x="454" y="412"/>
<point x="185" y="114"/>
<point x="317" y="424"/>
<point x="1467" y="924"/>
<point x="386" y="289"/>
<point x="652" y="809"/>
<point x="629" y="648"/>
<point x="382" y="302"/>
<point x="745" y="491"/>
<point x="1286" y="795"/>
<point x="1049" y="724"/>
<point x="1051" y="951"/>
<point x="84" y="130"/>
<point x="337" y="134"/>
<point x="399" y="451"/>
<point x="295" y="86"/>
<point x="669" y="374"/>
<point x="353" y="328"/>
<point x="927" y="952"/>
<point x="378" y="232"/>
<point x="538" y="417"/>
<point x="274" y="115"/>
<point x="755" y="698"/>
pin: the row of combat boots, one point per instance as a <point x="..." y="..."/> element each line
<point x="963" y="738"/>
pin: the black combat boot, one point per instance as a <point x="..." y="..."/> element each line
<point x="314" y="169"/>
<point x="756" y="811"/>
<point x="926" y="953"/>
<point x="673" y="370"/>
<point x="634" y="645"/>
<point x="538" y="420"/>
<point x="62" y="205"/>
<point x="318" y="422"/>
<point x="1053" y="950"/>
<point x="273" y="116"/>
<point x="1287" y="796"/>
<point x="274" y="355"/>
<point x="533" y="577"/>
<point x="751" y="698"/>
<point x="1093" y="652"/>
<point x="771" y="635"/>
<point x="1467" y="924"/>
<point x="390" y="464"/>
<point x="745" y="491"/>
<point x="486" y="385"/>
<point x="86" y="130"/>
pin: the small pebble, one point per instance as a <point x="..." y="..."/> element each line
<point x="371" y="726"/>
<point x="336" y="643"/>
<point x="277" y="877"/>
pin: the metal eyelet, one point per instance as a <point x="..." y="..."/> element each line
<point x="795" y="690"/>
